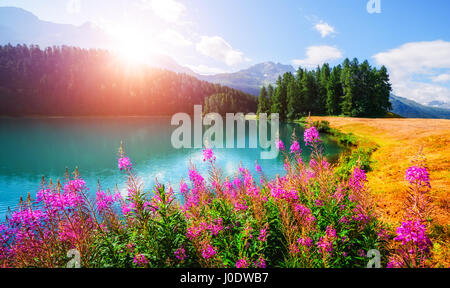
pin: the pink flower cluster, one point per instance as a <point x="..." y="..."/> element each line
<point x="357" y="179"/>
<point x="208" y="155"/>
<point x="208" y="251"/>
<point x="295" y="147"/>
<point x="325" y="244"/>
<point x="418" y="175"/>
<point x="413" y="232"/>
<point x="140" y="260"/>
<point x="280" y="145"/>
<point x="311" y="136"/>
<point x="180" y="254"/>
<point x="124" y="163"/>
<point x="105" y="201"/>
<point x="242" y="263"/>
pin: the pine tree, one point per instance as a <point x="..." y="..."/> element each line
<point x="294" y="104"/>
<point x="262" y="100"/>
<point x="334" y="92"/>
<point x="322" y="88"/>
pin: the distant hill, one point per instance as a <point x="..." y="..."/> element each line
<point x="251" y="79"/>
<point x="439" y="104"/>
<point x="18" y="26"/>
<point x="410" y="109"/>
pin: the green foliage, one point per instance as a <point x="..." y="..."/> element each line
<point x="350" y="89"/>
<point x="358" y="157"/>
<point x="72" y="81"/>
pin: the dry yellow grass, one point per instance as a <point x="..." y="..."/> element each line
<point x="399" y="140"/>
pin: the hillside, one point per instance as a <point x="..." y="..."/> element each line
<point x="251" y="80"/>
<point x="399" y="140"/>
<point x="18" y="26"/>
<point x="410" y="109"/>
<point x="71" y="81"/>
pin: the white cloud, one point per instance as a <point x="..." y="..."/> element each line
<point x="318" y="55"/>
<point x="218" y="49"/>
<point x="169" y="10"/>
<point x="174" y="38"/>
<point x="73" y="6"/>
<point x="324" y="29"/>
<point x="414" y="60"/>
<point x="206" y="70"/>
<point x="441" y="78"/>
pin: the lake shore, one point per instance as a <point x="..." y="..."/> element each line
<point x="399" y="140"/>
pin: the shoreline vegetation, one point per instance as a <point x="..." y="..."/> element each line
<point x="392" y="143"/>
<point x="313" y="216"/>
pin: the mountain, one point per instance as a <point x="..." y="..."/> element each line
<point x="251" y="79"/>
<point x="18" y="26"/>
<point x="410" y="109"/>
<point x="439" y="104"/>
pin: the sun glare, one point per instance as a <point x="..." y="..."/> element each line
<point x="133" y="46"/>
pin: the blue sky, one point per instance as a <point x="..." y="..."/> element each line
<point x="410" y="37"/>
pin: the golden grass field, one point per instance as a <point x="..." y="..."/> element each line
<point x="399" y="140"/>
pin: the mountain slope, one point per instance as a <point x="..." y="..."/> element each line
<point x="410" y="109"/>
<point x="18" y="26"/>
<point x="250" y="80"/>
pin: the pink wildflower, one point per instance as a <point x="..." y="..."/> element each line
<point x="125" y="163"/>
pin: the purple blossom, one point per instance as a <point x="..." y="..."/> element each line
<point x="124" y="163"/>
<point x="208" y="155"/>
<point x="306" y="242"/>
<point x="357" y="180"/>
<point x="260" y="263"/>
<point x="242" y="263"/>
<point x="180" y="254"/>
<point x="208" y="251"/>
<point x="413" y="233"/>
<point x="262" y="235"/>
<point x="295" y="147"/>
<point x="140" y="260"/>
<point x="280" y="145"/>
<point x="311" y="136"/>
<point x="418" y="175"/>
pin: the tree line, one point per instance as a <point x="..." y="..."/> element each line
<point x="350" y="89"/>
<point x="71" y="81"/>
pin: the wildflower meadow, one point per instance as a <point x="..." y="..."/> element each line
<point x="311" y="217"/>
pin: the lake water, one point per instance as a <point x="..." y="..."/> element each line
<point x="31" y="148"/>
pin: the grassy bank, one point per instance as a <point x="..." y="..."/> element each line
<point x="395" y="142"/>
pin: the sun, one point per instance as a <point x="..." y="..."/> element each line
<point x="132" y="45"/>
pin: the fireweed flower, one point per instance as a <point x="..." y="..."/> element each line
<point x="295" y="147"/>
<point x="413" y="233"/>
<point x="208" y="252"/>
<point x="180" y="254"/>
<point x="311" y="136"/>
<point x="280" y="145"/>
<point x="262" y="235"/>
<point x="105" y="201"/>
<point x="418" y="175"/>
<point x="124" y="163"/>
<point x="258" y="168"/>
<point x="196" y="178"/>
<point x="260" y="263"/>
<point x="242" y="263"/>
<point x="208" y="155"/>
<point x="357" y="180"/>
<point x="325" y="244"/>
<point x="140" y="260"/>
<point x="305" y="242"/>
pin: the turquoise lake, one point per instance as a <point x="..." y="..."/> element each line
<point x="34" y="147"/>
